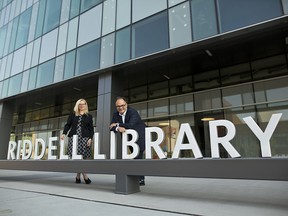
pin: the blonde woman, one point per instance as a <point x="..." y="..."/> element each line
<point x="80" y="123"/>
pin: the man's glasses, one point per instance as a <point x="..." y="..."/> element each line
<point x="121" y="106"/>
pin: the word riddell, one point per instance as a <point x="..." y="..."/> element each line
<point x="15" y="152"/>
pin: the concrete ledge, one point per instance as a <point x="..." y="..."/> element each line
<point x="254" y="168"/>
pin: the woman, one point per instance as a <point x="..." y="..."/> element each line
<point x="80" y="123"/>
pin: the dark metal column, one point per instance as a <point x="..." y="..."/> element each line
<point x="6" y="114"/>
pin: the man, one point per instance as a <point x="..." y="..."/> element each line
<point x="128" y="118"/>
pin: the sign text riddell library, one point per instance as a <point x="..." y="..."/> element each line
<point x="15" y="153"/>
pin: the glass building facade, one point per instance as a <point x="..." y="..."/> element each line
<point x="176" y="61"/>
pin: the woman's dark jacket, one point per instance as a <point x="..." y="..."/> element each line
<point x="87" y="129"/>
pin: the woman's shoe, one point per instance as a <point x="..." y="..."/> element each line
<point x="87" y="181"/>
<point x="78" y="180"/>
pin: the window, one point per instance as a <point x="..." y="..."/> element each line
<point x="69" y="67"/>
<point x="52" y="15"/>
<point x="109" y="13"/>
<point x="122" y="51"/>
<point x="23" y="28"/>
<point x="88" y="58"/>
<point x="48" y="46"/>
<point x="107" y="50"/>
<point x="15" y="84"/>
<point x="150" y="35"/>
<point x="45" y="73"/>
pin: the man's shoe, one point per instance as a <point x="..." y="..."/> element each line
<point x="141" y="182"/>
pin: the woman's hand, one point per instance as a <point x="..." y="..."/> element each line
<point x="89" y="142"/>
<point x="62" y="137"/>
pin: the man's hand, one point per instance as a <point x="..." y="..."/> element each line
<point x="121" y="129"/>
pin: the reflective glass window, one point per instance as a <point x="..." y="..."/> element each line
<point x="5" y="86"/>
<point x="32" y="78"/>
<point x="59" y="68"/>
<point x="40" y="18"/>
<point x="208" y="100"/>
<point x="48" y="46"/>
<point x="109" y="13"/>
<point x="174" y="2"/>
<point x="123" y="45"/>
<point x="36" y="51"/>
<point x="15" y="84"/>
<point x="8" y="37"/>
<point x="74" y="8"/>
<point x="86" y="4"/>
<point x="271" y="91"/>
<point x="238" y="96"/>
<point x="72" y="32"/>
<point x="123" y="13"/>
<point x="9" y="65"/>
<point x="181" y="104"/>
<point x="206" y="80"/>
<point x="23" y="30"/>
<point x="69" y="67"/>
<point x="236" y="74"/>
<point x="107" y="50"/>
<point x="285" y="6"/>
<point x="88" y="58"/>
<point x="45" y="73"/>
<point x="204" y="19"/>
<point x="88" y="30"/>
<point x="25" y="80"/>
<point x="181" y="85"/>
<point x="2" y="67"/>
<point x="180" y="25"/>
<point x="62" y="39"/>
<point x="18" y="61"/>
<point x="33" y="22"/>
<point x="142" y="9"/>
<point x="150" y="35"/>
<point x="158" y="108"/>
<point x="52" y="15"/>
<point x="65" y="9"/>
<point x="157" y="90"/>
<point x="236" y="14"/>
<point x="13" y="34"/>
<point x="3" y="32"/>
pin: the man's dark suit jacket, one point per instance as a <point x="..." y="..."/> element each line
<point x="132" y="121"/>
<point x="87" y="129"/>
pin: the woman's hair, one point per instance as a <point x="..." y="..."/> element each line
<point x="76" y="107"/>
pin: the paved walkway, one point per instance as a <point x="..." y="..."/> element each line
<point x="48" y="193"/>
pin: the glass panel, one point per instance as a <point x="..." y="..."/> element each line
<point x="52" y="15"/>
<point x="150" y="35"/>
<point x="28" y="56"/>
<point x="237" y="96"/>
<point x="138" y="94"/>
<point x="65" y="11"/>
<point x="2" y="69"/>
<point x="62" y="39"/>
<point x="207" y="80"/>
<point x="74" y="8"/>
<point x="181" y="104"/>
<point x="180" y="25"/>
<point x="208" y="100"/>
<point x="174" y="2"/>
<point x="158" y="108"/>
<point x="40" y="18"/>
<point x="59" y="68"/>
<point x="157" y="90"/>
<point x="269" y="67"/>
<point x="272" y="90"/>
<point x="33" y="22"/>
<point x="32" y="78"/>
<point x="88" y="58"/>
<point x="181" y="85"/>
<point x="123" y="13"/>
<point x="285" y="6"/>
<point x="23" y="30"/>
<point x="236" y="74"/>
<point x="8" y="65"/>
<point x="141" y="109"/>
<point x="14" y="85"/>
<point x="236" y="14"/>
<point x="142" y="9"/>
<point x="18" y="61"/>
<point x="69" y="64"/>
<point x="48" y="46"/>
<point x="204" y="19"/>
<point x="279" y="139"/>
<point x="88" y="30"/>
<point x="25" y="80"/>
<point x="45" y="73"/>
<point x="5" y="86"/>
<point x="72" y="32"/>
<point x="8" y="37"/>
<point x="86" y="4"/>
<point x="107" y="50"/>
<point x="109" y="11"/>
<point x="3" y="32"/>
<point x="13" y="34"/>
<point x="245" y="142"/>
<point x="36" y="51"/>
<point x="122" y="51"/>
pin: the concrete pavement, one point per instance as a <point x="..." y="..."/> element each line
<point x="34" y="193"/>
